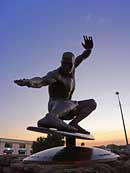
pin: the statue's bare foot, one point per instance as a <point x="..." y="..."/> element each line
<point x="80" y="129"/>
<point x="50" y="121"/>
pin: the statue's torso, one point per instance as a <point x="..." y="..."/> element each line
<point x="63" y="87"/>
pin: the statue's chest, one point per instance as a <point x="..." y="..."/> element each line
<point x="67" y="82"/>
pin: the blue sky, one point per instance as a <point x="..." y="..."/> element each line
<point x="34" y="34"/>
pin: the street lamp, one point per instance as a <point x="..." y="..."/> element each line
<point x="127" y="144"/>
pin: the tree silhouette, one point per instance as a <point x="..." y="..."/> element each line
<point x="45" y="143"/>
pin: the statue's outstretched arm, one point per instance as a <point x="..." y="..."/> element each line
<point x="36" y="82"/>
<point x="88" y="45"/>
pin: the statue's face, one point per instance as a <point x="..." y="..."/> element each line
<point x="67" y="64"/>
<point x="67" y="67"/>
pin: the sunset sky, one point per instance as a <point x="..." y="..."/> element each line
<point x="34" y="35"/>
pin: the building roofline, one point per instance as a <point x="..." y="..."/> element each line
<point x="15" y="140"/>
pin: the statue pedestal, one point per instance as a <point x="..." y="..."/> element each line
<point x="69" y="153"/>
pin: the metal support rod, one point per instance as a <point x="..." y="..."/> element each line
<point x="127" y="144"/>
<point x="70" y="141"/>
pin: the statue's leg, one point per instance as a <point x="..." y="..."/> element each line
<point x="84" y="108"/>
<point x="63" y="108"/>
<point x="57" y="110"/>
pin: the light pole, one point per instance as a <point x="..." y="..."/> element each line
<point x="127" y="144"/>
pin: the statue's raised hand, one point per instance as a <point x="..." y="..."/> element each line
<point x="88" y="43"/>
<point x="22" y="82"/>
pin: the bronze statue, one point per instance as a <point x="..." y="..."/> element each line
<point x="61" y="85"/>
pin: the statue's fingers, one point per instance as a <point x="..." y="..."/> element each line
<point x="89" y="38"/>
<point x="92" y="41"/>
<point x="16" y="81"/>
<point x="83" y="44"/>
<point x="84" y="38"/>
<point x="19" y="81"/>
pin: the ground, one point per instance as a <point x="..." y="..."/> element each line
<point x="13" y="164"/>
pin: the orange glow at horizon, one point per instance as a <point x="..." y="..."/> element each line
<point x="101" y="137"/>
<point x="106" y="137"/>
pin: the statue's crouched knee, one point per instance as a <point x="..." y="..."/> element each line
<point x="93" y="104"/>
<point x="39" y="123"/>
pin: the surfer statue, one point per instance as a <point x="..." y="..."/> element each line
<point x="61" y="85"/>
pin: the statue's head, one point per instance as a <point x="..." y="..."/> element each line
<point x="67" y="62"/>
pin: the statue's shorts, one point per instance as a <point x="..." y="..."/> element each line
<point x="68" y="109"/>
